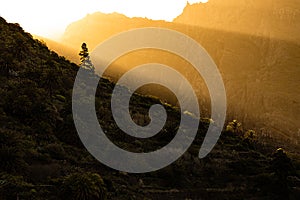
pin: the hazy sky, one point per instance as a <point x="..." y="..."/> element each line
<point x="49" y="18"/>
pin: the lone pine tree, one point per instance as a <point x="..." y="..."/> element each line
<point x="86" y="62"/>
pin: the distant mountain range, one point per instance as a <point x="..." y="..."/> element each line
<point x="274" y="19"/>
<point x="254" y="43"/>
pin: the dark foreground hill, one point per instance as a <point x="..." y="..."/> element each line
<point x="43" y="158"/>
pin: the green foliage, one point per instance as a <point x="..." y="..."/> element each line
<point x="84" y="186"/>
<point x="14" y="187"/>
<point x="250" y="136"/>
<point x="11" y="152"/>
<point x="234" y="127"/>
<point x="250" y="139"/>
<point x="56" y="151"/>
<point x="11" y="159"/>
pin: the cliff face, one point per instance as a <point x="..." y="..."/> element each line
<point x="269" y="18"/>
<point x="255" y="44"/>
<point x="265" y="63"/>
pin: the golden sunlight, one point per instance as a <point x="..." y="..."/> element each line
<point x="50" y="18"/>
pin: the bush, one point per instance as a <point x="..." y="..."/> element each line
<point x="12" y="187"/>
<point x="234" y="127"/>
<point x="56" y="151"/>
<point x="84" y="186"/>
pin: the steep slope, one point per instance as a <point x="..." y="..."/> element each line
<point x="261" y="73"/>
<point x="43" y="158"/>
<point x="63" y="50"/>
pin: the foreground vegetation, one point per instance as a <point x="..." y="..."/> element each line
<point x="42" y="156"/>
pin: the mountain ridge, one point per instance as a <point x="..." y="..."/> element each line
<point x="275" y="19"/>
<point x="246" y="62"/>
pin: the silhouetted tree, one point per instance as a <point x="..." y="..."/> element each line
<point x="51" y="77"/>
<point x="86" y="62"/>
<point x="84" y="53"/>
<point x="50" y="81"/>
<point x="282" y="165"/>
<point x="6" y="64"/>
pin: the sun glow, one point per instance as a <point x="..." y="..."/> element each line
<point x="49" y="18"/>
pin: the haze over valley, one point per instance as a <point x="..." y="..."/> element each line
<point x="254" y="44"/>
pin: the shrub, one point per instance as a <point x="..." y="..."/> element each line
<point x="56" y="151"/>
<point x="12" y="187"/>
<point x="234" y="127"/>
<point x="84" y="186"/>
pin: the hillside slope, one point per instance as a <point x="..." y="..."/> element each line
<point x="63" y="50"/>
<point x="43" y="158"/>
<point x="261" y="73"/>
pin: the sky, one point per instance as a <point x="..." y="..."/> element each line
<point x="49" y="18"/>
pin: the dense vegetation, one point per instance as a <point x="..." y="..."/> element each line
<point x="43" y="158"/>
